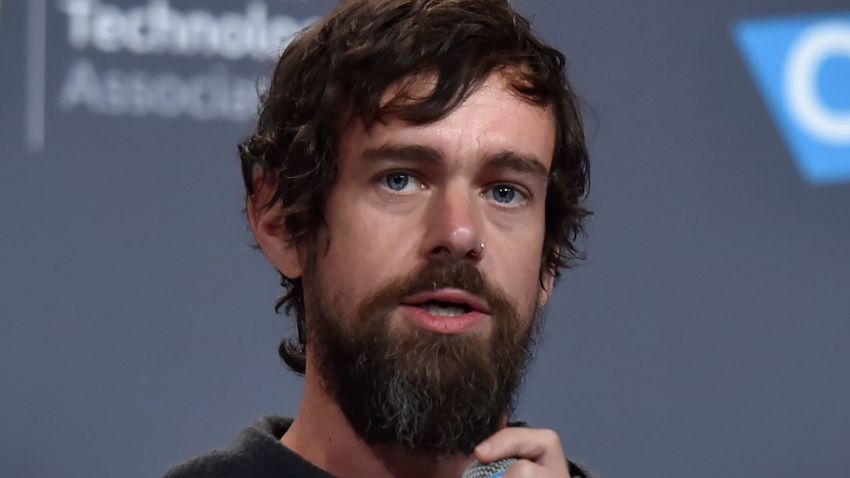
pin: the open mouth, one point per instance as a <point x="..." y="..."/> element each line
<point x="445" y="309"/>
<point x="448" y="311"/>
<point x="448" y="302"/>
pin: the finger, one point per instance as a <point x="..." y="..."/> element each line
<point x="542" y="446"/>
<point x="529" y="469"/>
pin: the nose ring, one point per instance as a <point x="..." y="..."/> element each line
<point x="477" y="252"/>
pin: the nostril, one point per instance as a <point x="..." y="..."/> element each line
<point x="441" y="251"/>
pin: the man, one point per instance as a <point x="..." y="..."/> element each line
<point x="416" y="177"/>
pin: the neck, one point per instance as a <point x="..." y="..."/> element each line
<point x="323" y="436"/>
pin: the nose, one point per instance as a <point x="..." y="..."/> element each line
<point x="454" y="226"/>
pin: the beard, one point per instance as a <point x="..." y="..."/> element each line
<point x="427" y="392"/>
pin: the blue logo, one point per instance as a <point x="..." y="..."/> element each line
<point x="802" y="67"/>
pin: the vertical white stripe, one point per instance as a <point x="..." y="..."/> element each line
<point x="35" y="76"/>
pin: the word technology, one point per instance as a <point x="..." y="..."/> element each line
<point x="157" y="28"/>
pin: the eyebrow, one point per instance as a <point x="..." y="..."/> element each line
<point x="505" y="159"/>
<point x="521" y="163"/>
<point x="411" y="152"/>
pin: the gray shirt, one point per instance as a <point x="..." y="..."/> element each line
<point x="258" y="453"/>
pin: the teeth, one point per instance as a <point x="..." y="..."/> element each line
<point x="448" y="311"/>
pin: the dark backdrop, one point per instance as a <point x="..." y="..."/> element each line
<point x="705" y="335"/>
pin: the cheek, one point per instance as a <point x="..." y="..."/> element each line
<point x="340" y="268"/>
<point x="518" y="265"/>
<point x="367" y="250"/>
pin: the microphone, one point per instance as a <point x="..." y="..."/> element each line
<point x="496" y="469"/>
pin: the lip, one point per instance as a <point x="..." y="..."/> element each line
<point x="413" y="309"/>
<point x="457" y="296"/>
<point x="440" y="324"/>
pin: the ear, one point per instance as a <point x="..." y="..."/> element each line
<point x="548" y="281"/>
<point x="269" y="227"/>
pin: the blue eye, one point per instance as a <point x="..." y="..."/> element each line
<point x="400" y="182"/>
<point x="504" y="193"/>
<point x="397" y="181"/>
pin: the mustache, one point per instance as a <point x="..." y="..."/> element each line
<point x="433" y="276"/>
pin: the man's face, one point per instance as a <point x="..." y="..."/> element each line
<point x="412" y="325"/>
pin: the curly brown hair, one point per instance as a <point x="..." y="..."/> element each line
<point x="340" y="68"/>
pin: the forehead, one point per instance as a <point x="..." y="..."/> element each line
<point x="491" y="120"/>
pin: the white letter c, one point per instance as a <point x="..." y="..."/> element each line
<point x="804" y="60"/>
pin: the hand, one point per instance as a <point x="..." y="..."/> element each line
<point x="538" y="451"/>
